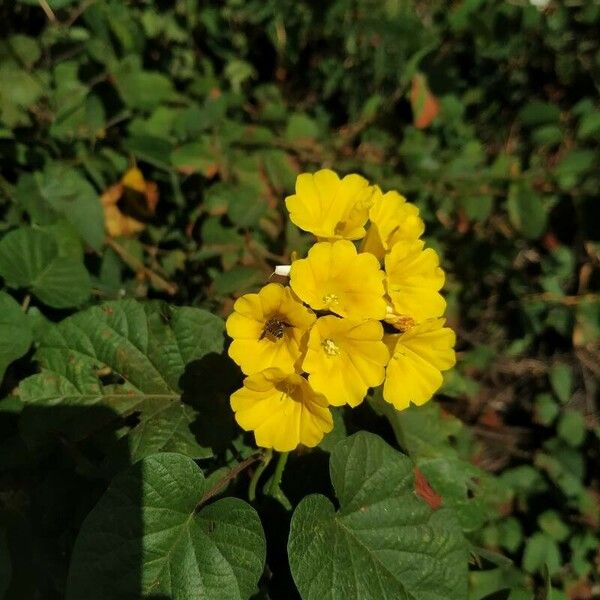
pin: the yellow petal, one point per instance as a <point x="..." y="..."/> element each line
<point x="414" y="279"/>
<point x="330" y="207"/>
<point x="134" y="179"/>
<point x="334" y="277"/>
<point x="393" y="219"/>
<point x="282" y="410"/>
<point x="344" y="358"/>
<point x="241" y="326"/>
<point x="268" y="329"/>
<point x="414" y="373"/>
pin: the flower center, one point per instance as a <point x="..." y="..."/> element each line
<point x="330" y="347"/>
<point x="274" y="329"/>
<point x="403" y="323"/>
<point x="339" y="228"/>
<point x="330" y="299"/>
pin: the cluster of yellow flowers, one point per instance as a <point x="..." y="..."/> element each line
<point x="354" y="316"/>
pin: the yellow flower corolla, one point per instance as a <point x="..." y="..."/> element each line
<point x="414" y="279"/>
<point x="336" y="278"/>
<point x="282" y="410"/>
<point x="345" y="358"/>
<point x="330" y="207"/>
<point x="268" y="329"/>
<point x="418" y="356"/>
<point x="392" y="219"/>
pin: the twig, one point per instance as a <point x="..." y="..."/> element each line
<point x="215" y="489"/>
<point x="49" y="12"/>
<point x="138" y="266"/>
<point x="258" y="258"/>
<point x="79" y="11"/>
<point x="565" y="300"/>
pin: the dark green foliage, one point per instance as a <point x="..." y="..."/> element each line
<point x="221" y="104"/>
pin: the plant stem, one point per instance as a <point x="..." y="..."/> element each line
<point x="139" y="267"/>
<point x="229" y="477"/>
<point x="268" y="455"/>
<point x="275" y="486"/>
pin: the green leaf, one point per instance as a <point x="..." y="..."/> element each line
<point x="426" y="435"/>
<point x="539" y="113"/>
<point x="139" y="88"/>
<point x="561" y="379"/>
<point x="589" y="126"/>
<point x="550" y="522"/>
<point x="150" y="535"/>
<point x="477" y="207"/>
<point x="571" y="428"/>
<point x="301" y="127"/>
<point x="573" y="166"/>
<point x="195" y="157"/>
<point x="238" y="280"/>
<point x="280" y="169"/>
<point x="383" y="542"/>
<point x="20" y="91"/>
<point x="526" y="210"/>
<point x="72" y="196"/>
<point x="31" y="259"/>
<point x="130" y="358"/>
<point x="5" y="564"/>
<point x="548" y="135"/>
<point x="15" y="332"/>
<point x="25" y="48"/>
<point x="540" y="551"/>
<point x="246" y="207"/>
<point x="154" y="150"/>
<point x="238" y="71"/>
<point x="16" y="580"/>
<point x="546" y="409"/>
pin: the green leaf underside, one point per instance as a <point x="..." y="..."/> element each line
<point x="147" y="536"/>
<point x="142" y="350"/>
<point x="384" y="542"/>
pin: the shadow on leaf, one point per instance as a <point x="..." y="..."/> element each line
<point x="207" y="384"/>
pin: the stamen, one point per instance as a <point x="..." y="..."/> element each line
<point x="330" y="299"/>
<point x="401" y="322"/>
<point x="330" y="347"/>
<point x="339" y="228"/>
<point x="274" y="329"/>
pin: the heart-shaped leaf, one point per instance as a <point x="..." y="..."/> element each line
<point x="31" y="258"/>
<point x="127" y="357"/>
<point x="384" y="542"/>
<point x="15" y="333"/>
<point x="149" y="536"/>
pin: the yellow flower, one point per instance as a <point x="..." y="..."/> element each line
<point x="268" y="329"/>
<point x="417" y="358"/>
<point x="282" y="409"/>
<point x="345" y="358"/>
<point x="414" y="279"/>
<point x="392" y="219"/>
<point x="330" y="207"/>
<point x="334" y="277"/>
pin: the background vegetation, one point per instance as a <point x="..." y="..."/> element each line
<point x="485" y="113"/>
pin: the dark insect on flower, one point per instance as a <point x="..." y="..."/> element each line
<point x="274" y="329"/>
